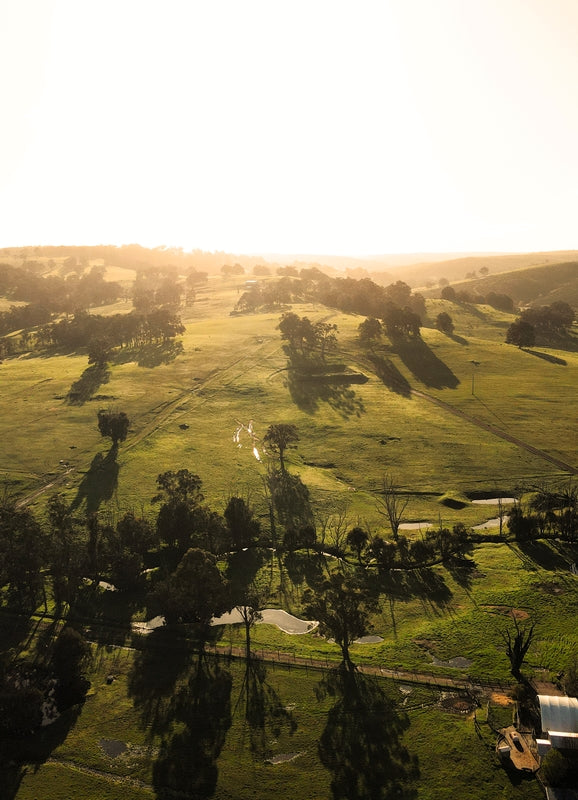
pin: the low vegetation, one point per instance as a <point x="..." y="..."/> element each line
<point x="308" y="443"/>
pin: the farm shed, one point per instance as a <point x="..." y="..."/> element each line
<point x="559" y="722"/>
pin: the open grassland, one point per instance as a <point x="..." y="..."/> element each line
<point x="184" y="408"/>
<point x="175" y="721"/>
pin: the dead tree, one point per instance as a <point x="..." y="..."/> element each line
<point x="391" y="504"/>
<point x="517" y="645"/>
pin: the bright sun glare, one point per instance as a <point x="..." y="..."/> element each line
<point x="301" y="127"/>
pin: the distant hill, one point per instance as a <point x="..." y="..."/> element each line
<point x="371" y="263"/>
<point x="457" y="269"/>
<point x="534" y="286"/>
<point x="531" y="286"/>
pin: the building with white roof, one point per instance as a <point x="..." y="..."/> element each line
<point x="559" y="723"/>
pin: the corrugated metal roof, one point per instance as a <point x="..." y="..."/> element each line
<point x="559" y="713"/>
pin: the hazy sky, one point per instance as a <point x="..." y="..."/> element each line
<point x="290" y="125"/>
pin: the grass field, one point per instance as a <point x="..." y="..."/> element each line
<point x="233" y="368"/>
<point x="304" y="735"/>
<point x="184" y="408"/>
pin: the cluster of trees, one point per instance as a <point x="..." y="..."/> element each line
<point x="157" y="288"/>
<point x="549" y="513"/>
<point x="266" y="295"/>
<point x="207" y="562"/>
<point x="56" y="293"/>
<point x="502" y="302"/>
<point x="131" y="256"/>
<point x="346" y="294"/>
<point x="28" y="316"/>
<point x="555" y="319"/>
<point x="396" y="322"/>
<point x="119" y="330"/>
<point x="305" y="336"/>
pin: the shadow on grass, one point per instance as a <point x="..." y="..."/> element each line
<point x="312" y="381"/>
<point x="546" y="357"/>
<point x="424" y="584"/>
<point x="390" y="376"/>
<point x="17" y="630"/>
<point x="149" y="355"/>
<point x="462" y="570"/>
<point x="110" y="613"/>
<point x="540" y="552"/>
<point x="87" y="385"/>
<point x="20" y="754"/>
<point x="457" y="339"/>
<point x="424" y="364"/>
<point x="308" y="394"/>
<point x="157" y="669"/>
<point x="362" y="743"/>
<point x="264" y="712"/>
<point x="99" y="483"/>
<point x="199" y="718"/>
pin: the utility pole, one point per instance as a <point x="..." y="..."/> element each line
<point x="474" y="365"/>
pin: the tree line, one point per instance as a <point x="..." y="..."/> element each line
<point x="56" y="293"/>
<point x="345" y="294"/>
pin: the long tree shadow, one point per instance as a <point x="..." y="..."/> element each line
<point x="308" y="394"/>
<point x="200" y="716"/>
<point x="546" y="357"/>
<point x="457" y="339"/>
<point x="424" y="364"/>
<point x="99" y="483"/>
<point x="87" y="385"/>
<point x="265" y="715"/>
<point x="425" y="584"/>
<point x="149" y="355"/>
<point x="390" y="376"/>
<point x="540" y="552"/>
<point x="157" y="670"/>
<point x="362" y="743"/>
<point x="312" y="381"/>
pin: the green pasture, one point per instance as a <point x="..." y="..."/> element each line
<point x="167" y="720"/>
<point x="436" y="615"/>
<point x="185" y="405"/>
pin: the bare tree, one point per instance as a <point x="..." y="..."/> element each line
<point x="391" y="504"/>
<point x="332" y="528"/>
<point x="517" y="644"/>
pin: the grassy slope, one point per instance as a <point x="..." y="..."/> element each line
<point x="445" y="745"/>
<point x="233" y="368"/>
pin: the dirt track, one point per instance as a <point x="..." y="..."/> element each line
<point x="497" y="432"/>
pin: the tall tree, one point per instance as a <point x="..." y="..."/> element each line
<point x="195" y="593"/>
<point x="325" y="337"/>
<point x="391" y="504"/>
<point x="521" y="333"/>
<point x="342" y="608"/>
<point x="22" y="554"/>
<point x="114" y="425"/>
<point x="244" y="529"/>
<point x="67" y="551"/>
<point x="517" y="644"/>
<point x="278" y="438"/>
